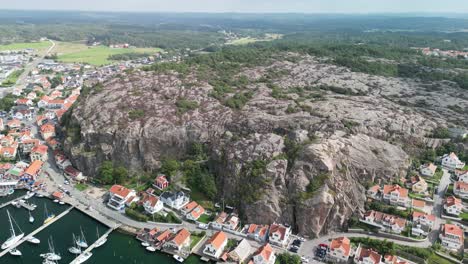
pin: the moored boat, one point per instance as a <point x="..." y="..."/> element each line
<point x="151" y="249"/>
<point x="49" y="217"/>
<point x="81" y="242"/>
<point x="100" y="240"/>
<point x="33" y="240"/>
<point x="15" y="252"/>
<point x="14" y="238"/>
<point x="31" y="218"/>
<point x="145" y="244"/>
<point x="75" y="249"/>
<point x="178" y="258"/>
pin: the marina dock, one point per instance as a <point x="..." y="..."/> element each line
<point x="9" y="202"/>
<point x="90" y="248"/>
<point x="42" y="227"/>
<point x="26" y="205"/>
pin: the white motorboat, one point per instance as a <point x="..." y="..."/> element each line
<point x="29" y="194"/>
<point x="6" y="192"/>
<point x="15" y="252"/>
<point x="100" y="240"/>
<point x="145" y="244"/>
<point x="75" y="249"/>
<point x="61" y="203"/>
<point x="31" y="218"/>
<point x="81" y="242"/>
<point x="34" y="240"/>
<point x="14" y="203"/>
<point x="40" y="195"/>
<point x="83" y="258"/>
<point x="151" y="249"/>
<point x="46" y="261"/>
<point x="13" y="237"/>
<point x="178" y="258"/>
<point x="56" y="201"/>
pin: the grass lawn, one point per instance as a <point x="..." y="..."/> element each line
<point x="40" y="46"/>
<point x="12" y="78"/>
<point x="416" y="195"/>
<point x="204" y="218"/>
<point x="74" y="52"/>
<point x="81" y="186"/>
<point x="464" y="216"/>
<point x="195" y="238"/>
<point x="465" y="168"/>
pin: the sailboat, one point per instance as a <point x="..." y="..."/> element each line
<point x="82" y="240"/>
<point x="100" y="241"/>
<point x="83" y="258"/>
<point x="75" y="249"/>
<point x="13" y="237"/>
<point x="49" y="217"/>
<point x="51" y="254"/>
<point x="15" y="252"/>
<point x="31" y="218"/>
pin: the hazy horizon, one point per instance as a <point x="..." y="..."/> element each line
<point x="246" y="6"/>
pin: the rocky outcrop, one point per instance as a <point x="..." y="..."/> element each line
<point x="341" y="141"/>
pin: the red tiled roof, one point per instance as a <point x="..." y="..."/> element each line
<point x="119" y="190"/>
<point x="181" y="236"/>
<point x="217" y="240"/>
<point x="34" y="168"/>
<point x="266" y="251"/>
<point x="341" y="243"/>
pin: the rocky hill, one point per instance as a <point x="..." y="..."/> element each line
<point x="322" y="132"/>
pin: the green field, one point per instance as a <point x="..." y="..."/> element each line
<point x="80" y="53"/>
<point x="11" y="79"/>
<point x="248" y="40"/>
<point x="41" y="46"/>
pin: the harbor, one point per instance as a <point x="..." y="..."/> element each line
<point x="70" y="220"/>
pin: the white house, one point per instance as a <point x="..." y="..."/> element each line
<point x="453" y="205"/>
<point x="463" y="176"/>
<point x="428" y="170"/>
<point x="179" y="241"/>
<point x="367" y="256"/>
<point x="152" y="204"/>
<point x="451" y="161"/>
<point x="214" y="247"/>
<point x="386" y="222"/>
<point x="279" y="234"/>
<point x="119" y="196"/>
<point x="264" y="255"/>
<point x="174" y="200"/>
<point x="460" y="189"/>
<point x="373" y="191"/>
<point x="422" y="224"/>
<point x="451" y="236"/>
<point x="396" y="195"/>
<point x="340" y="250"/>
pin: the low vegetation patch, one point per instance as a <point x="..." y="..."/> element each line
<point x="184" y="105"/>
<point x="136" y="114"/>
<point x="169" y="218"/>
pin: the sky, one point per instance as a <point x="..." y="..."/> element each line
<point x="251" y="6"/>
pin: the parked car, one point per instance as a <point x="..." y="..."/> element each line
<point x="203" y="226"/>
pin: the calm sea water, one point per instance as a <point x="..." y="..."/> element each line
<point x="120" y="248"/>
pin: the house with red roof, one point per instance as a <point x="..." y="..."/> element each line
<point x="386" y="222"/>
<point x="189" y="207"/>
<point x="47" y="131"/>
<point x="391" y="259"/>
<point x="179" y="240"/>
<point x="14" y="123"/>
<point x="24" y="101"/>
<point x="340" y="250"/>
<point x="373" y="191"/>
<point x="257" y="232"/>
<point x="264" y="255"/>
<point x="58" y="195"/>
<point x="34" y="169"/>
<point x="452" y="162"/>
<point x="451" y="236"/>
<point x="460" y="189"/>
<point x="428" y="170"/>
<point x="367" y="256"/>
<point x="214" y="246"/>
<point x="74" y="174"/>
<point x="151" y="203"/>
<point x="161" y="182"/>
<point x="396" y="195"/>
<point x="462" y="175"/>
<point x="39" y="153"/>
<point x="422" y="223"/>
<point x="119" y="196"/>
<point x="279" y="234"/>
<point x="195" y="213"/>
<point x="453" y="205"/>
